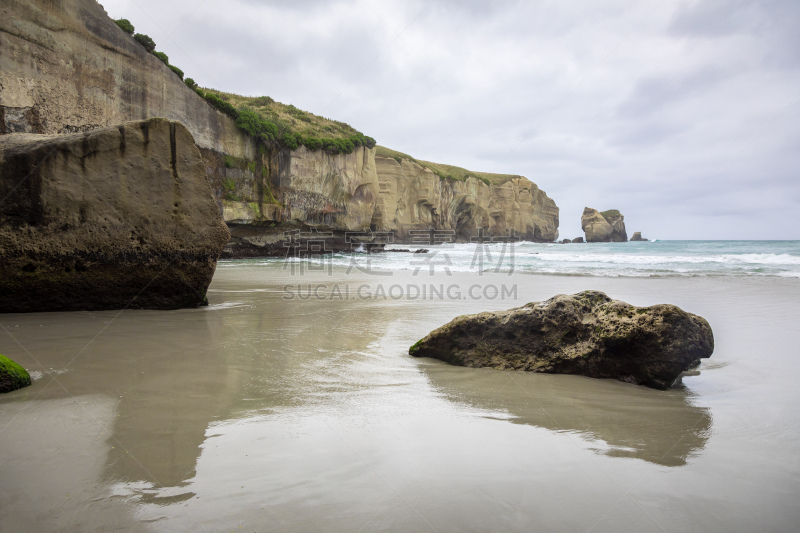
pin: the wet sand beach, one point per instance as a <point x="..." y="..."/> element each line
<point x="263" y="412"/>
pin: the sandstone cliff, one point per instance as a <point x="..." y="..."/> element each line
<point x="414" y="197"/>
<point x="119" y="217"/>
<point x="608" y="226"/>
<point x="67" y="67"/>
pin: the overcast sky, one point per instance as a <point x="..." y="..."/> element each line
<point x="684" y="115"/>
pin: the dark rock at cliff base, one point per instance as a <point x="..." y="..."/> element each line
<point x="588" y="334"/>
<point x="638" y="237"/>
<point x="566" y="241"/>
<point x="606" y="226"/>
<point x="12" y="376"/>
<point x="577" y="240"/>
<point x="119" y="217"/>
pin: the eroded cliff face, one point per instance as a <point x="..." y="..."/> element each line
<point x="413" y="197"/>
<point x="302" y="187"/>
<point x="66" y="67"/>
<point x="118" y="217"/>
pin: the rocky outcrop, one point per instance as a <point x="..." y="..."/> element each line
<point x="119" y="217"/>
<point x="412" y="197"/>
<point x="588" y="334"/>
<point x="637" y="237"/>
<point x="608" y="226"/>
<point x="12" y="376"/>
<point x="577" y="240"/>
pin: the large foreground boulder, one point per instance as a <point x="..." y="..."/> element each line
<point x="606" y="226"/>
<point x="588" y="334"/>
<point x="12" y="376"/>
<point x="119" y="217"/>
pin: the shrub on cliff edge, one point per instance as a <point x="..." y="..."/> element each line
<point x="12" y="376"/>
<point x="126" y="25"/>
<point x="190" y="83"/>
<point x="256" y="125"/>
<point x="145" y="41"/>
<point x="177" y="71"/>
<point x="222" y="105"/>
<point x="162" y="56"/>
<point x="312" y="143"/>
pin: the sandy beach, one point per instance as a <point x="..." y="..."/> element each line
<point x="265" y="411"/>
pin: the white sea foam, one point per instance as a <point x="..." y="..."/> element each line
<point x="658" y="259"/>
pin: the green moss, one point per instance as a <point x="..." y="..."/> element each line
<point x="415" y="348"/>
<point x="240" y="163"/>
<point x="12" y="375"/>
<point x="611" y="213"/>
<point x="229" y="188"/>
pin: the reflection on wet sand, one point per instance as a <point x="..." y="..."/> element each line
<point x="661" y="427"/>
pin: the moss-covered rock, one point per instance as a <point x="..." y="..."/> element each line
<point x="12" y="376"/>
<point x="588" y="334"/>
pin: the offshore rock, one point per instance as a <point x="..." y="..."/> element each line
<point x="587" y="334"/>
<point x="119" y="217"/>
<point x="638" y="237"/>
<point x="608" y="226"/>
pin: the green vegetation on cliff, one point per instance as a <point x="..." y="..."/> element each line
<point x="12" y="376"/>
<point x="447" y="172"/>
<point x="126" y="26"/>
<point x="145" y="40"/>
<point x="611" y="213"/>
<point x="286" y="125"/>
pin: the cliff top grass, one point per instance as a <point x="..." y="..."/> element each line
<point x="611" y="213"/>
<point x="447" y="172"/>
<point x="289" y="119"/>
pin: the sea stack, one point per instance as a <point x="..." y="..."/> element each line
<point x="116" y="218"/>
<point x="588" y="334"/>
<point x="638" y="237"/>
<point x="606" y="226"/>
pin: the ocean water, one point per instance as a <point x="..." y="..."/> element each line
<point x="632" y="259"/>
<point x="280" y="408"/>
